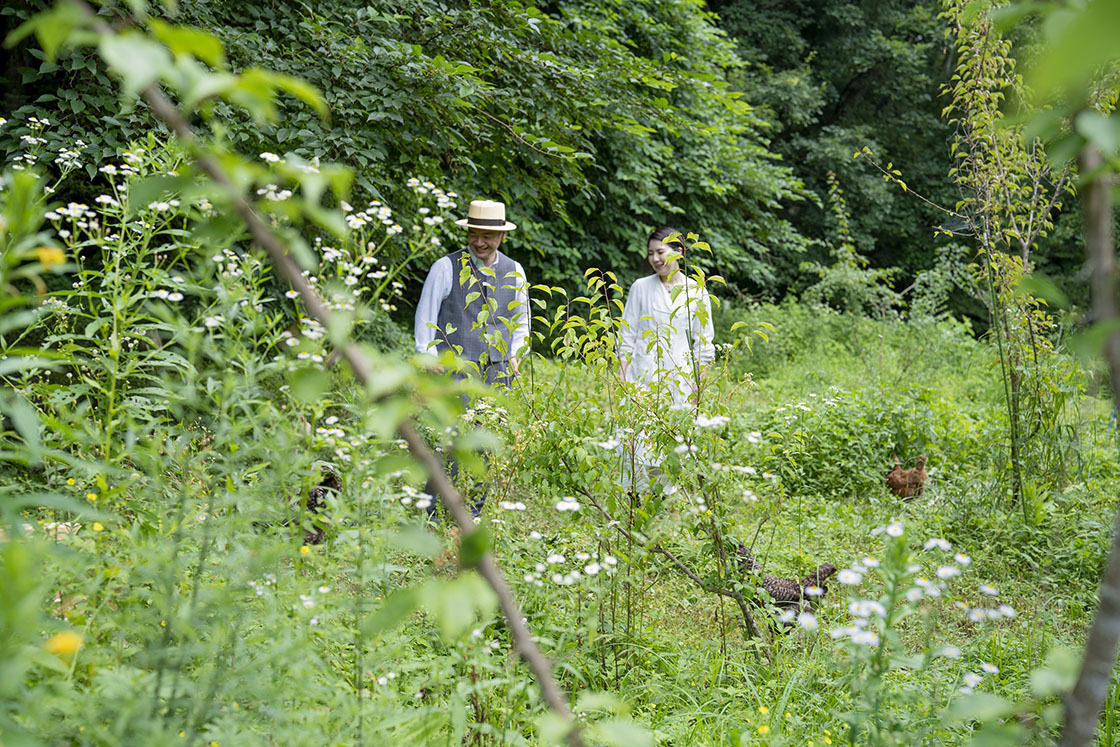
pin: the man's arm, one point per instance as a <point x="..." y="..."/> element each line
<point x="436" y="287"/>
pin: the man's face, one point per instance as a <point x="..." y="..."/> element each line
<point x="658" y="255"/>
<point x="484" y="244"/>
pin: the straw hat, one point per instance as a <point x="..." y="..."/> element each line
<point x="486" y="215"/>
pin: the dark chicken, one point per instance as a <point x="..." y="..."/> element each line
<point x="329" y="483"/>
<point x="787" y="593"/>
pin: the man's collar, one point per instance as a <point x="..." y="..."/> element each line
<point x="478" y="262"/>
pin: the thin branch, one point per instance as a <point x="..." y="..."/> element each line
<point x="906" y="188"/>
<point x="748" y="619"/>
<point x="1083" y="704"/>
<point x="541" y="667"/>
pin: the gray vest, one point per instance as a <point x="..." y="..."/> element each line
<point x="475" y="319"/>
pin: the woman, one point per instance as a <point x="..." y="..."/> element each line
<point x="669" y="318"/>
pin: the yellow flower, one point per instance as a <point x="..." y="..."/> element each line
<point x="809" y="743"/>
<point x="764" y="729"/>
<point x="71" y="481"/>
<point x="50" y="256"/>
<point x="97" y="526"/>
<point x="789" y="715"/>
<point x="827" y="740"/>
<point x="304" y="550"/>
<point x="182" y="734"/>
<point x="91" y="497"/>
<point x="64" y="643"/>
<point x="763" y="710"/>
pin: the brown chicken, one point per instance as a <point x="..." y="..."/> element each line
<point x="907" y="483"/>
<point x="787" y="593"/>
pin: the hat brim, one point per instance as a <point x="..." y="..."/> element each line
<point x="466" y="223"/>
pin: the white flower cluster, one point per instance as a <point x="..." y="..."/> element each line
<point x="80" y="217"/>
<point x="163" y="293"/>
<point x="980" y="614"/>
<point x="588" y="564"/>
<point x="412" y="496"/>
<point x="260" y="587"/>
<point x="273" y="193"/>
<point x="235" y="265"/>
<point x="894" y="529"/>
<point x="122" y="170"/>
<point x="805" y="619"/>
<point x="711" y="421"/>
<point x="971" y="680"/>
<point x="382" y="214"/>
<point x="444" y="200"/>
<point x="70" y="158"/>
<point x="21" y="161"/>
<point x="74" y="210"/>
<point x="567" y="504"/>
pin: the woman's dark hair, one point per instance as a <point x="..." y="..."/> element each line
<point x="659" y="234"/>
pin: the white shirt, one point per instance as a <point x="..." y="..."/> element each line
<point x="660" y="327"/>
<point x="438" y="285"/>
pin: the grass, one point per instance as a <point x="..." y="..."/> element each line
<point x="198" y="618"/>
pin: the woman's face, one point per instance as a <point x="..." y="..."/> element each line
<point x="657" y="256"/>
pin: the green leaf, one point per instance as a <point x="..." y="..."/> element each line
<point x="256" y="88"/>
<point x="456" y="604"/>
<point x="190" y="41"/>
<point x="135" y="58"/>
<point x="53" y="28"/>
<point x="415" y="540"/>
<point x="397" y="607"/>
<point x="979" y="706"/>
<point x="1080" y="40"/>
<point x="473" y="546"/>
<point x="308" y="385"/>
<point x="12" y="504"/>
<point x="620" y="732"/>
<point x="1044" y="288"/>
<point x="1101" y="131"/>
<point x="996" y="734"/>
<point x="152" y="188"/>
<point x="1058" y="673"/>
<point x="25" y="419"/>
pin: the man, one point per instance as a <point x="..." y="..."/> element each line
<point x="475" y="302"/>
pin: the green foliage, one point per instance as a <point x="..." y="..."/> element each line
<point x="848" y="285"/>
<point x="593" y="122"/>
<point x="833" y="77"/>
<point x="157" y="474"/>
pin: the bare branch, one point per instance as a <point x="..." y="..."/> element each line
<point x="748" y="619"/>
<point x="1083" y="704"/>
<point x="541" y="667"/>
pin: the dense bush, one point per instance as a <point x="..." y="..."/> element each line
<point x="594" y="122"/>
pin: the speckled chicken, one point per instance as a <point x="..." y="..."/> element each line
<point x="907" y="483"/>
<point x="787" y="592"/>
